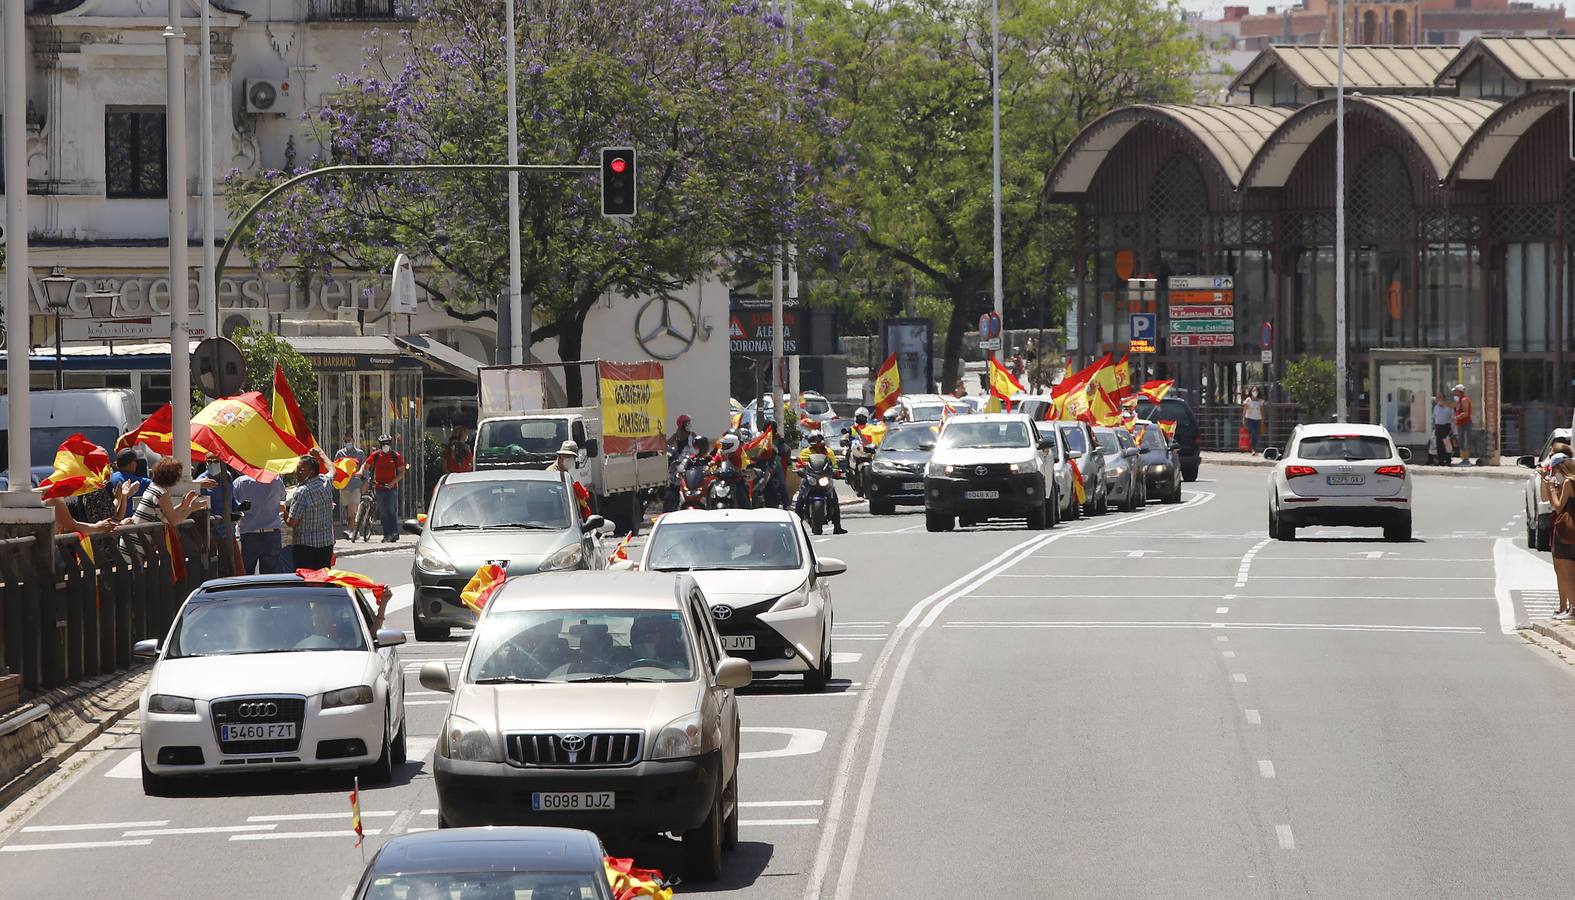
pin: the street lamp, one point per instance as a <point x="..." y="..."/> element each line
<point x="57" y="289"/>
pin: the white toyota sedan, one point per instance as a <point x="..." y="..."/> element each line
<point x="1339" y="474"/>
<point x="272" y="672"/>
<point x="769" y="593"/>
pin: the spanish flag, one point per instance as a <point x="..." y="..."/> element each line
<point x="1078" y="491"/>
<point x="481" y="585"/>
<point x="177" y="554"/>
<point x="1003" y="386"/>
<point x="1103" y="409"/>
<point x="1168" y="429"/>
<point x="157" y="431"/>
<point x="888" y="386"/>
<point x="631" y="883"/>
<point x="339" y="577"/>
<point x="344" y="470"/>
<point x="582" y="499"/>
<point x="242" y="433"/>
<point x="287" y="415"/>
<point x="761" y="446"/>
<point x="81" y="467"/>
<point x="355" y="811"/>
<point x="1070" y="398"/>
<point x="1156" y="390"/>
<point x="621" y="552"/>
<point x="1115" y="380"/>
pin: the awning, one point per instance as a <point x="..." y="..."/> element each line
<point x="441" y="356"/>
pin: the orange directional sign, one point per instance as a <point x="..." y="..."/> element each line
<point x="1202" y="297"/>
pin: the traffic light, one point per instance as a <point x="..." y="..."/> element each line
<point x="618" y="183"/>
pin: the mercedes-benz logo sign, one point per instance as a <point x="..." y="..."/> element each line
<point x="721" y="612"/>
<point x="257" y="710"/>
<point x="665" y="327"/>
<point x="980" y="470"/>
<point x="571" y="743"/>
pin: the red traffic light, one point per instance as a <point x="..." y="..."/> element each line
<point x="618" y="165"/>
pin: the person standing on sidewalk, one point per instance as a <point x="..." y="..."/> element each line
<point x="1252" y="417"/>
<point x="350" y="495"/>
<point x="1558" y="488"/>
<point x="386" y="468"/>
<point x="310" y="515"/>
<point x="261" y="524"/>
<point x="1443" y="422"/>
<point x="1463" y="423"/>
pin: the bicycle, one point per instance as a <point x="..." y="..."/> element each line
<point x="365" y="510"/>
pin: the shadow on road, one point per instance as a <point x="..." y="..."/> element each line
<point x="789" y="685"/>
<point x="288" y="783"/>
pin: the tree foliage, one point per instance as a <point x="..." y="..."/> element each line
<point x="261" y="350"/>
<point x="1309" y="382"/>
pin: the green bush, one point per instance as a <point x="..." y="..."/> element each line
<point x="1309" y="382"/>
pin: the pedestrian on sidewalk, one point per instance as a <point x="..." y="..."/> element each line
<point x="385" y="467"/>
<point x="1558" y="488"/>
<point x="311" y="516"/>
<point x="350" y="495"/>
<point x="1252" y="417"/>
<point x="261" y="525"/>
<point x="1443" y="423"/>
<point x="1463" y="423"/>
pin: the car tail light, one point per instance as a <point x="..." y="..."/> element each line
<point x="1391" y="471"/>
<point x="1299" y="471"/>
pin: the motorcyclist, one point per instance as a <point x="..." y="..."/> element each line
<point x="817" y="445"/>
<point x="858" y="444"/>
<point x="728" y="449"/>
<point x="682" y="440"/>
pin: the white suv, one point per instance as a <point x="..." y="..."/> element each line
<point x="1339" y="474"/>
<point x="995" y="465"/>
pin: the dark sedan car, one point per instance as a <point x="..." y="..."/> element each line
<point x="1160" y="460"/>
<point x="897" y="471"/>
<point x="1189" y="438"/>
<point x="542" y="863"/>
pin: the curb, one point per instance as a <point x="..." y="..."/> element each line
<point x="370" y="548"/>
<point x="1501" y="474"/>
<point x="53" y="758"/>
<point x="1564" y="636"/>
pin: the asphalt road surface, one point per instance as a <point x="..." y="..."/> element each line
<point x="1161" y="703"/>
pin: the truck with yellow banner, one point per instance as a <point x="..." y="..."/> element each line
<point x="620" y="439"/>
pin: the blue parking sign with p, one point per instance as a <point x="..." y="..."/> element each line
<point x="1145" y="326"/>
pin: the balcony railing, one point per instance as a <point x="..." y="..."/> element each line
<point x="362" y="10"/>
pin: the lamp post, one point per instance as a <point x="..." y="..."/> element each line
<point x="57" y="288"/>
<point x="15" y="60"/>
<point x="1340" y="387"/>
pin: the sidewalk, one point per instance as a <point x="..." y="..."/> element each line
<point x="344" y="549"/>
<point x="1509" y="472"/>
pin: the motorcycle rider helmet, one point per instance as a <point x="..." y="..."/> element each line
<point x="861" y="415"/>
<point x="683" y="421"/>
<point x="816" y="439"/>
<point x="728" y="443"/>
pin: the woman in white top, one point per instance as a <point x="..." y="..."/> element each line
<point x="1252" y="416"/>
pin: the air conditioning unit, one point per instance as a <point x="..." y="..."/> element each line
<point x="267" y="97"/>
<point x="232" y="320"/>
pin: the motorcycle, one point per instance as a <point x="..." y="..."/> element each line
<point x="728" y="488"/>
<point x="860" y="453"/>
<point x="817" y="474"/>
<point x="692" y="483"/>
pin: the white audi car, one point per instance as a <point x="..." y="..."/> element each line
<point x="272" y="672"/>
<point x="769" y="593"/>
<point x="1339" y="474"/>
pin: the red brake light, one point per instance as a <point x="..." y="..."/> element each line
<point x="1299" y="471"/>
<point x="1391" y="471"/>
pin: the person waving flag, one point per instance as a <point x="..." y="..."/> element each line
<point x="888" y="386"/>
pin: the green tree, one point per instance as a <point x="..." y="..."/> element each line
<point x="913" y="84"/>
<point x="261" y="351"/>
<point x="1309" y="382"/>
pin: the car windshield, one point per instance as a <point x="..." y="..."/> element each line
<point x="518" y="503"/>
<point x="566" y="645"/>
<point x="267" y="620"/>
<point x="985" y="435"/>
<point x="814" y="406"/>
<point x="1150" y="437"/>
<point x="43" y="441"/>
<point x="507" y="440"/>
<point x="908" y="438"/>
<point x="723" y="544"/>
<point x="1107" y="441"/>
<point x="1348" y="447"/>
<point x="1074" y="439"/>
<point x="499" y="885"/>
<point x="928" y="412"/>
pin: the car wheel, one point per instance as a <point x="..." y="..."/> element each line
<point x="1189" y="475"/>
<point x="1055" y="510"/>
<point x="1104" y="501"/>
<point x="425" y="632"/>
<point x="382" y="771"/>
<point x="818" y="679"/>
<point x="703" y="846"/>
<point x="155" y="785"/>
<point x="399" y="747"/>
<point x="1074" y="510"/>
<point x="730" y="824"/>
<point x="1037" y="519"/>
<point x="1544" y="538"/>
<point x="1400" y="531"/>
<point x="1128" y="503"/>
<point x="1142" y="497"/>
<point x="882" y="507"/>
<point x="934" y="521"/>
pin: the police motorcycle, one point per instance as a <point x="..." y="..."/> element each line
<point x="728" y="484"/>
<point x="859" y="451"/>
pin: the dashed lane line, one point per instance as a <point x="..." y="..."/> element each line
<point x="1265" y="768"/>
<point x="1246" y="562"/>
<point x="94" y="826"/>
<point x="1234" y="626"/>
<point x="1253" y="716"/>
<point x="1286" y="838"/>
<point x="303" y="835"/>
<point x="75" y="845"/>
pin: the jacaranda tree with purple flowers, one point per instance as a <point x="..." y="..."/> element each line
<point x="734" y="145"/>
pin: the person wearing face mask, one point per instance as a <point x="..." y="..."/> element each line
<point x="350" y="494"/>
<point x="310" y="515"/>
<point x="385" y="467"/>
<point x="216" y="484"/>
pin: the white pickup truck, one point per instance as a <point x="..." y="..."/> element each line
<point x="520" y="427"/>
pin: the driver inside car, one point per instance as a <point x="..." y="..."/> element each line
<point x="657" y="638"/>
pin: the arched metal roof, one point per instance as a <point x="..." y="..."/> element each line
<point x="1484" y="153"/>
<point x="1231" y="136"/>
<point x="1438" y="127"/>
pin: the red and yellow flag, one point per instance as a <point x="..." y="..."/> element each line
<point x="355" y="811"/>
<point x="1168" y="429"/>
<point x="1071" y="398"/>
<point x="81" y="467"/>
<point x="1103" y="409"/>
<point x="1116" y="380"/>
<point x="761" y="446"/>
<point x="177" y="554"/>
<point x="621" y="552"/>
<point x="630" y="883"/>
<point x="344" y="470"/>
<point x="287" y="415"/>
<point x="582" y="499"/>
<point x="888" y="386"/>
<point x="339" y="577"/>
<point x="481" y="585"/>
<point x="1078" y="491"/>
<point x="240" y="430"/>
<point x="1156" y="390"/>
<point x="1002" y="385"/>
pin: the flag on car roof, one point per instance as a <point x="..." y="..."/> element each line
<point x="888" y="386"/>
<point x="243" y="434"/>
<point x="481" y="585"/>
<point x="339" y="577"/>
<point x="1156" y="390"/>
<point x="287" y="416"/>
<point x="81" y="467"/>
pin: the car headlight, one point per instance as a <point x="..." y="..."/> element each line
<point x="793" y="599"/>
<point x="567" y="558"/>
<point x="680" y="738"/>
<point x="469" y="742"/>
<point x="1158" y="468"/>
<point x="1015" y="467"/>
<point x="884" y="467"/>
<point x="356" y="695"/>
<point x="432" y="562"/>
<point x="169" y="703"/>
<point x="1118" y="471"/>
<point x="938" y="469"/>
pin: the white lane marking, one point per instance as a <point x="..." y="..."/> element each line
<point x="1246" y="562"/>
<point x="1370" y="554"/>
<point x="1239" y="678"/>
<point x="209" y="829"/>
<point x="1221" y="610"/>
<point x="857" y="624"/>
<point x="1287" y="840"/>
<point x="757" y="822"/>
<point x="801" y="742"/>
<point x="845" y="659"/>
<point x="1228" y="597"/>
<point x="1222" y="639"/>
<point x="1236" y="626"/>
<point x="129" y="767"/>
<point x="427" y="702"/>
<point x="1137" y="554"/>
<point x="747" y="804"/>
<point x="1265" y="768"/>
<point x="929" y="608"/>
<point x="427" y="694"/>
<point x="1515" y="569"/>
<point x="306" y="817"/>
<point x="74" y="845"/>
<point x="93" y="826"/>
<point x="1253" y="716"/>
<point x="1112" y="595"/>
<point x="861" y="637"/>
<point x="1228" y="654"/>
<point x="301" y="835"/>
<point x="404" y="597"/>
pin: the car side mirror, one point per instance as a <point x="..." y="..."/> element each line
<point x="731" y="673"/>
<point x="591" y="449"/>
<point x="827" y="566"/>
<point x="1130" y="452"/>
<point x="434" y="677"/>
<point x="1074" y="455"/>
<point x="1405" y="454"/>
<point x="1526" y="462"/>
<point x="1046" y="443"/>
<point x="148" y="649"/>
<point x="594" y="523"/>
<point x="1271" y="453"/>
<point x="411" y="526"/>
<point x="389" y="637"/>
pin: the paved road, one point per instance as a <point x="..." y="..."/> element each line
<point x="1151" y="704"/>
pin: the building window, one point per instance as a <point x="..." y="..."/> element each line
<point x="1487" y="79"/>
<point x="134" y="153"/>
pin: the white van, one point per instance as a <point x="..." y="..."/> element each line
<point x="101" y="415"/>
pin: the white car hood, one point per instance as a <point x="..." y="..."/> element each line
<point x="964" y="456"/>
<point x="307" y="673"/>
<point x="738" y="588"/>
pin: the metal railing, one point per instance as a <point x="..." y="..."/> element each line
<point x="362" y="10"/>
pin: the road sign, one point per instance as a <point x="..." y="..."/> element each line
<point x="1268" y="357"/>
<point x="402" y="291"/>
<point x="1145" y="326"/>
<point x="1221" y="311"/>
<point x="1202" y="297"/>
<point x="1139" y="345"/>
<point x="217" y="368"/>
<point x="1266" y="337"/>
<point x="990" y="332"/>
<point x="1202" y="340"/>
<point x="1203" y="326"/>
<point x="1201" y="283"/>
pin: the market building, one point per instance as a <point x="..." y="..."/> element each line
<point x="1459" y="191"/>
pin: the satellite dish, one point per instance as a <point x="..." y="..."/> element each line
<point x="217" y="368"/>
<point x="402" y="292"/>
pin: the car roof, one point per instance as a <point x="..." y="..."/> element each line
<point x="289" y="579"/>
<point x="509" y="849"/>
<point x="987" y="417"/>
<point x="1331" y="429"/>
<point x="590" y="590"/>
<point x="503" y="475"/>
<point x="765" y="514"/>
